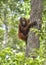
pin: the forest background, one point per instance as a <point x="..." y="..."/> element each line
<point x="12" y="49"/>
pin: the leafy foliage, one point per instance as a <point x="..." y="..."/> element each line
<point x="14" y="9"/>
<point x="10" y="57"/>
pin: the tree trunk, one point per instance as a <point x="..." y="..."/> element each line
<point x="5" y="40"/>
<point x="33" y="39"/>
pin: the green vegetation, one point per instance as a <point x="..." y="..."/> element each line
<point x="11" y="47"/>
<point x="9" y="57"/>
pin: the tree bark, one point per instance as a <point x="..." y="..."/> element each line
<point x="33" y="39"/>
<point x="5" y="40"/>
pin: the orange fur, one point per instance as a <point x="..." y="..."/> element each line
<point x="24" y="28"/>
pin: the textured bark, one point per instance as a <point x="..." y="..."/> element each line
<point x="33" y="39"/>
